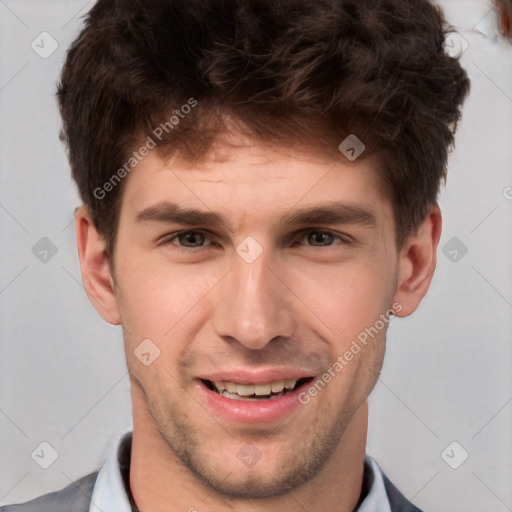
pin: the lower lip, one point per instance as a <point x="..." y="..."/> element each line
<point x="250" y="411"/>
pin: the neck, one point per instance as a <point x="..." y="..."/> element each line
<point x="158" y="479"/>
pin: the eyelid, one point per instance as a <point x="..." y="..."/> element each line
<point x="344" y="238"/>
<point x="171" y="237"/>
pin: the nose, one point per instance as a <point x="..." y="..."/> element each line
<point x="252" y="304"/>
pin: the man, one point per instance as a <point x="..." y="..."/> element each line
<point x="259" y="182"/>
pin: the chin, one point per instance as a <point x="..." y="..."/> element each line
<point x="236" y="468"/>
<point x="257" y="483"/>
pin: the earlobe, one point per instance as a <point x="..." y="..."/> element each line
<point x="417" y="263"/>
<point x="94" y="262"/>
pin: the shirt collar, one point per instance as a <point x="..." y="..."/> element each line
<point x="109" y="491"/>
<point x="112" y="491"/>
<point x="377" y="498"/>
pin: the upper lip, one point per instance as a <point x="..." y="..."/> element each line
<point x="261" y="376"/>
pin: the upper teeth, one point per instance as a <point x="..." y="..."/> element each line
<point x="255" y="389"/>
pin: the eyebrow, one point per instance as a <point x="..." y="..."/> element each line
<point x="329" y="213"/>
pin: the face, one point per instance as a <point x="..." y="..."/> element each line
<point x="251" y="276"/>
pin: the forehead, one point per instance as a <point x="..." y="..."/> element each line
<point x="247" y="179"/>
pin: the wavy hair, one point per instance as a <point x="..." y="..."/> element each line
<point x="303" y="72"/>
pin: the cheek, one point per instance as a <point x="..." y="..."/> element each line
<point x="157" y="303"/>
<point x="346" y="299"/>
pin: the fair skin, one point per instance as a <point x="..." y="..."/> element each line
<point x="287" y="314"/>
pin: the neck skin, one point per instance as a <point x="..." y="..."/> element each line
<point x="159" y="481"/>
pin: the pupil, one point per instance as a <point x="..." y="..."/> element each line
<point x="190" y="236"/>
<point x="318" y="236"/>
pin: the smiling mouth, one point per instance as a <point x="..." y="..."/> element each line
<point x="252" y="392"/>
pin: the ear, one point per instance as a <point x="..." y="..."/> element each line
<point x="94" y="262"/>
<point x="417" y="262"/>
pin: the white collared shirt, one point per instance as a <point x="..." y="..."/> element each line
<point x="109" y="494"/>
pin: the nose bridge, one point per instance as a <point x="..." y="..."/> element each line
<point x="252" y="307"/>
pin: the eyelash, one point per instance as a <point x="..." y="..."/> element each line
<point x="189" y="250"/>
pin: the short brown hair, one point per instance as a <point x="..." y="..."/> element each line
<point x="303" y="72"/>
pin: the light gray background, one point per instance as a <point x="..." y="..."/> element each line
<point x="448" y="372"/>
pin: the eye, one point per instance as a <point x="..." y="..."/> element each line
<point x="192" y="241"/>
<point x="191" y="238"/>
<point x="323" y="238"/>
<point x="320" y="238"/>
<point x="189" y="241"/>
